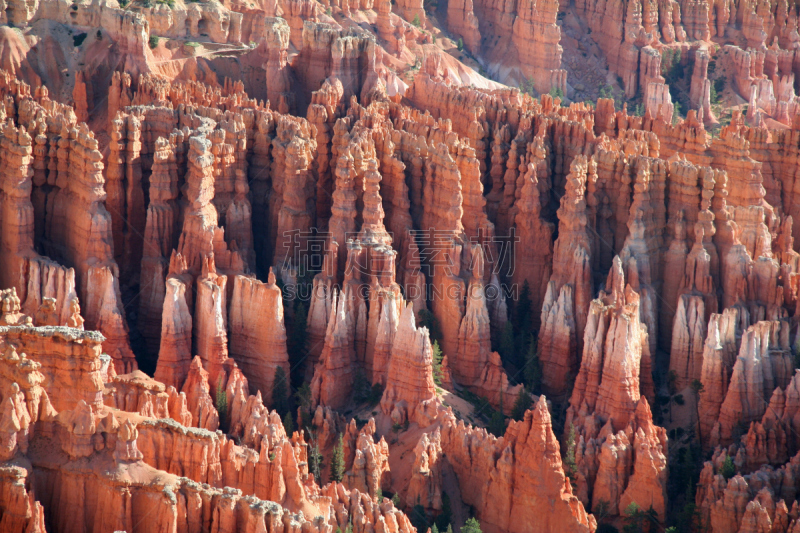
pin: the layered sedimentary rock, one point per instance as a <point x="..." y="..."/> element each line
<point x="46" y="349"/>
<point x="564" y="312"/>
<point x="719" y="355"/>
<point x="175" y="351"/>
<point x="696" y="230"/>
<point x="700" y="90"/>
<point x="461" y="20"/>
<point x="160" y="237"/>
<point x="747" y="500"/>
<point x="426" y="477"/>
<point x="689" y="324"/>
<point x="760" y="367"/>
<point x="410" y="393"/>
<point x="276" y="34"/>
<point x="209" y="331"/>
<point x="368" y="470"/>
<point x="608" y="414"/>
<point x="258" y="345"/>
<point x="334" y="374"/>
<point x="534" y="255"/>
<point x="615" y="365"/>
<point x="529" y="458"/>
<point x="536" y="34"/>
<point x="267" y="465"/>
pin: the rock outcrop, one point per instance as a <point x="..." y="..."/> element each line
<point x="529" y="458"/>
<point x="564" y="312"/>
<point x="410" y="393"/>
<point x="257" y="345"/>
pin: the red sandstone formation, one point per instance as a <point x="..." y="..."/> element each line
<point x="461" y="20"/>
<point x="410" y="394"/>
<point x="528" y="458"/>
<point x="175" y="352"/>
<point x="368" y="471"/>
<point x="160" y="235"/>
<point x="210" y="337"/>
<point x="259" y="348"/>
<point x="333" y="376"/>
<point x="564" y="312"/>
<point x="171" y="209"/>
<point x="268" y="466"/>
<point x="759" y="369"/>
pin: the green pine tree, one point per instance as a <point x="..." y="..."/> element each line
<point x="437" y="363"/>
<point x="507" y="347"/>
<point x="497" y="424"/>
<point x="570" y="467"/>
<point x="522" y="308"/>
<point x="728" y="469"/>
<point x="337" y="460"/>
<point x="446" y="516"/>
<point x="280" y="392"/>
<point x="302" y="398"/>
<point x="315" y="463"/>
<point x="221" y="403"/>
<point x="532" y="370"/>
<point x="288" y="423"/>
<point x="297" y="343"/>
<point x="418" y="518"/>
<point x="522" y="404"/>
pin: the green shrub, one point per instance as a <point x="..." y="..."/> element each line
<point x="221" y="402"/>
<point x="153" y="41"/>
<point x="416" y="22"/>
<point x="526" y="86"/>
<point x="460" y="44"/>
